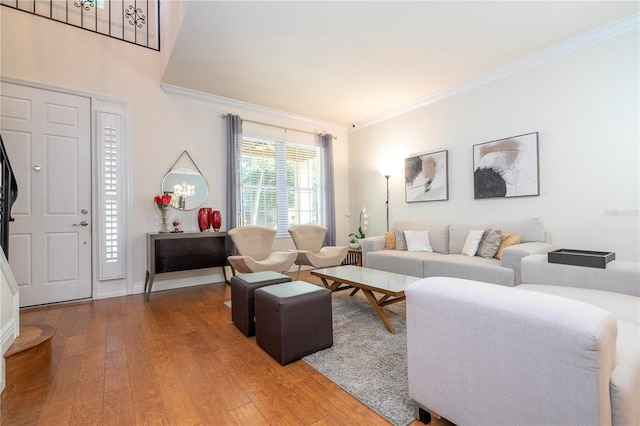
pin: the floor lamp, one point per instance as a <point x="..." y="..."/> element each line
<point x="387" y="176"/>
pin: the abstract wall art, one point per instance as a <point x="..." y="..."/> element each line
<point x="426" y="177"/>
<point x="506" y="167"/>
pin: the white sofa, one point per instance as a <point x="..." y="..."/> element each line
<point x="447" y="260"/>
<point x="561" y="349"/>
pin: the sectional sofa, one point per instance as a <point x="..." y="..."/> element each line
<point x="563" y="348"/>
<point x="447" y="242"/>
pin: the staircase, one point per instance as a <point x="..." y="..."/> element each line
<point x="26" y="348"/>
<point x="29" y="353"/>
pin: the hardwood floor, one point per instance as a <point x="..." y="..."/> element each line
<point x="176" y="360"/>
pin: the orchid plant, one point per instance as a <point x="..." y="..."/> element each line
<point x="364" y="221"/>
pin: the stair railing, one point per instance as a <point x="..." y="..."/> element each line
<point x="132" y="21"/>
<point x="8" y="195"/>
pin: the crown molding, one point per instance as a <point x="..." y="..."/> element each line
<point x="614" y="29"/>
<point x="232" y="103"/>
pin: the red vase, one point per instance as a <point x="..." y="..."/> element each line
<point x="204" y="218"/>
<point x="216" y="220"/>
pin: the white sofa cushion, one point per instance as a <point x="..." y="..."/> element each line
<point x="471" y="268"/>
<point x="472" y="242"/>
<point x="438" y="234"/>
<point x="400" y="262"/>
<point x="417" y="241"/>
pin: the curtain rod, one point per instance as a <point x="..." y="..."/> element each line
<point x="280" y="127"/>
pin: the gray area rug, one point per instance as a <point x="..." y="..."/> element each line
<point x="366" y="360"/>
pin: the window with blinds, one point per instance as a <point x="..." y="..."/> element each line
<point x="280" y="184"/>
<point x="110" y="194"/>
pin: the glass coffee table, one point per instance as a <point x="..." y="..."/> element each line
<point x="390" y="285"/>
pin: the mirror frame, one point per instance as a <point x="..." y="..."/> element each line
<point x="195" y="182"/>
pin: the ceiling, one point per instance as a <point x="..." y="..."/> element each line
<point x="344" y="62"/>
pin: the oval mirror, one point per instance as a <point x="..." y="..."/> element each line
<point x="188" y="188"/>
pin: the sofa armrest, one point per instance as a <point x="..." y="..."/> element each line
<point x="371" y="244"/>
<point x="482" y="353"/>
<point x="512" y="256"/>
<point x="619" y="276"/>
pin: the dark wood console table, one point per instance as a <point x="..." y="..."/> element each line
<point x="183" y="251"/>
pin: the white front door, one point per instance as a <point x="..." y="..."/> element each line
<point x="47" y="135"/>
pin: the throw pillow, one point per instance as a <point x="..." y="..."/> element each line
<point x="401" y="241"/>
<point x="418" y="240"/>
<point x="389" y="240"/>
<point x="508" y="240"/>
<point x="490" y="244"/>
<point x="472" y="242"/>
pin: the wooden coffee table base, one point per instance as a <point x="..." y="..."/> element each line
<point x="387" y="298"/>
<point x="377" y="305"/>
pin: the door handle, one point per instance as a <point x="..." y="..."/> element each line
<point x="83" y="223"/>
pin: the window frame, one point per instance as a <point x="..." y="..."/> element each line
<point x="282" y="148"/>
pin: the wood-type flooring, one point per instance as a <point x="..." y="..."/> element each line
<point x="175" y="360"/>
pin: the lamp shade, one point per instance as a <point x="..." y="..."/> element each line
<point x="386" y="171"/>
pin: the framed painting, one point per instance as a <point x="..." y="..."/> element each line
<point x="506" y="167"/>
<point x="426" y="177"/>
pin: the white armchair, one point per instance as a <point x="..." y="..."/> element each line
<point x="253" y="245"/>
<point x="308" y="240"/>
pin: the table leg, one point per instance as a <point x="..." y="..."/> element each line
<point x="333" y="286"/>
<point x="325" y="283"/>
<point x="378" y="310"/>
<point x="227" y="279"/>
<point x="148" y="283"/>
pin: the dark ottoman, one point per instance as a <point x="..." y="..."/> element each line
<point x="293" y="320"/>
<point x="242" y="288"/>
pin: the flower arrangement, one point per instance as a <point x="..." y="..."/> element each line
<point x="364" y="221"/>
<point x="162" y="202"/>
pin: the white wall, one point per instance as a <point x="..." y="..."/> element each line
<point x="45" y="52"/>
<point x="584" y="106"/>
<point x="171" y="15"/>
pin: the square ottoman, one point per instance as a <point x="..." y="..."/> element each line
<point x="293" y="320"/>
<point x="242" y="288"/>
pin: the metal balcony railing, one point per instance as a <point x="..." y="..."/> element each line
<point x="132" y="21"/>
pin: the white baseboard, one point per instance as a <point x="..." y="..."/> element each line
<point x="169" y="282"/>
<point x="160" y="284"/>
<point x="3" y="377"/>
<point x="7" y="337"/>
